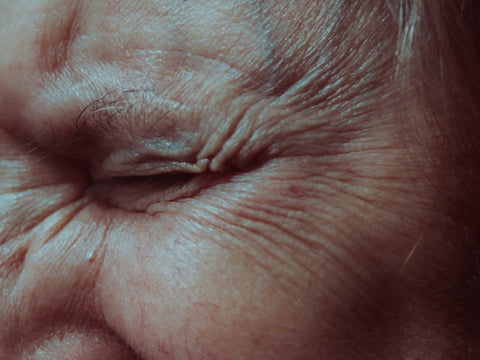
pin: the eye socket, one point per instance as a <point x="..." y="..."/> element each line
<point x="139" y="193"/>
<point x="154" y="182"/>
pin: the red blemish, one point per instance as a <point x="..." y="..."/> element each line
<point x="294" y="189"/>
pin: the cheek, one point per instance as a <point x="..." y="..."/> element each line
<point x="191" y="292"/>
<point x="213" y="276"/>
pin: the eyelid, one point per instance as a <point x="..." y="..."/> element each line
<point x="149" y="194"/>
<point x="124" y="164"/>
<point x="157" y="180"/>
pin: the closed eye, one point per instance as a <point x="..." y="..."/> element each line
<point x="156" y="182"/>
<point x="139" y="193"/>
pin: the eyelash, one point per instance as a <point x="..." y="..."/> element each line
<point x="138" y="193"/>
<point x="158" y="181"/>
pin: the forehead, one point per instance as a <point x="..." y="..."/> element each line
<point x="203" y="62"/>
<point x="247" y="35"/>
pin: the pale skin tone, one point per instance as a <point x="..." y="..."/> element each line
<point x="214" y="180"/>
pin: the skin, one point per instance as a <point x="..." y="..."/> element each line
<point x="190" y="180"/>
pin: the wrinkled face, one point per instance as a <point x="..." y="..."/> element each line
<point x="211" y="180"/>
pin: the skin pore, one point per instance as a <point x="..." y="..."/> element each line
<point x="234" y="180"/>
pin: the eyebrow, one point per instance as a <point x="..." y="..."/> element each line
<point x="101" y="121"/>
<point x="125" y="114"/>
<point x="126" y="119"/>
<point x="106" y="109"/>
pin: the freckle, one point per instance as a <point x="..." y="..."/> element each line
<point x="294" y="189"/>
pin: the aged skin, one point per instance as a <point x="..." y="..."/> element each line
<point x="220" y="180"/>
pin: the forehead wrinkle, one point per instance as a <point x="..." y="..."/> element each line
<point x="64" y="25"/>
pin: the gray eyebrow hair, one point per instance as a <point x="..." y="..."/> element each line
<point x="110" y="118"/>
<point x="105" y="112"/>
<point x="140" y="118"/>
